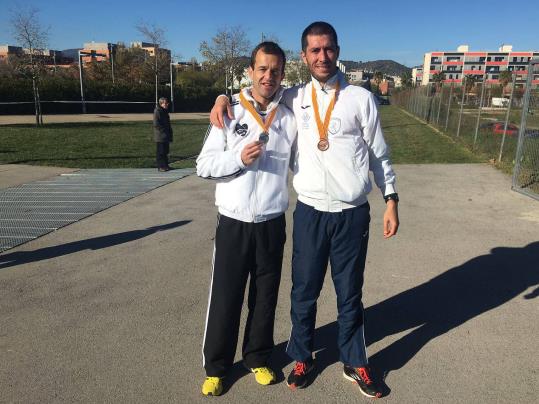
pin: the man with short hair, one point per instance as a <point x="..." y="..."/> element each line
<point x="162" y="133"/>
<point x="339" y="140"/>
<point x="249" y="157"/>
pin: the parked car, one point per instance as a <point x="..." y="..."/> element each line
<point x="497" y="128"/>
<point x="531" y="133"/>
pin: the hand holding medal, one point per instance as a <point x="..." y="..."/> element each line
<point x="323" y="143"/>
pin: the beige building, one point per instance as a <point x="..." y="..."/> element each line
<point x="150" y="48"/>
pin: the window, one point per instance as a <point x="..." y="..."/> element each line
<point x="498" y="59"/>
<point x="515" y="59"/>
<point x="482" y="59"/>
<point x="432" y="67"/>
<point x="489" y="59"/>
<point x="495" y="77"/>
<point x="451" y="76"/>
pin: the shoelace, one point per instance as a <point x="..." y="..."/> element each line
<point x="299" y="369"/>
<point x="213" y="380"/>
<point x="364" y="375"/>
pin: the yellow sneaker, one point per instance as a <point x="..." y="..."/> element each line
<point x="213" y="386"/>
<point x="263" y="375"/>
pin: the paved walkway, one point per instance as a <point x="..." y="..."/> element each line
<point x="112" y="308"/>
<point x="30" y="119"/>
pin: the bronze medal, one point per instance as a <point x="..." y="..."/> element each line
<point x="323" y="145"/>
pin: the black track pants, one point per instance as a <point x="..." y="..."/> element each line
<point x="243" y="250"/>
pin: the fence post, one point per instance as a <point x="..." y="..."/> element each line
<point x="439" y="106"/>
<point x="507" y="115"/>
<point x="448" y="106"/>
<point x="463" y="88"/>
<point x="479" y="113"/>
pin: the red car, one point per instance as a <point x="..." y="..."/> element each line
<point x="497" y="128"/>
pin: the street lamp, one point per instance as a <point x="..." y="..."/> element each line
<point x="171" y="89"/>
<point x="91" y="53"/>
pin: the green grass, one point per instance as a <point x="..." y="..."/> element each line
<point x="414" y="142"/>
<point x="98" y="145"/>
<point x="130" y="144"/>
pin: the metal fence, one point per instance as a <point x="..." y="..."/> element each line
<point x="491" y="120"/>
<point x="526" y="173"/>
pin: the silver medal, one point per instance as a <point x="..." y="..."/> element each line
<point x="264" y="137"/>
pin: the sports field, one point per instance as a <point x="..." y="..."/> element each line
<point x="130" y="144"/>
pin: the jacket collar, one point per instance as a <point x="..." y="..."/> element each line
<point x="273" y="104"/>
<point x="331" y="83"/>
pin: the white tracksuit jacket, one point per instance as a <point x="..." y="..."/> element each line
<point x="258" y="192"/>
<point x="338" y="178"/>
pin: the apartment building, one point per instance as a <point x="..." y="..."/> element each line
<point x="100" y="51"/>
<point x="484" y="65"/>
<point x="150" y="48"/>
<point x="417" y="75"/>
<point x="48" y="57"/>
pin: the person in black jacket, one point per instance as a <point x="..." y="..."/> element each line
<point x="162" y="133"/>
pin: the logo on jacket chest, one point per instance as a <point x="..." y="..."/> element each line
<point x="334" y="125"/>
<point x="240" y="129"/>
<point x="305" y="118"/>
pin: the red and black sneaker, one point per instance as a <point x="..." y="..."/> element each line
<point x="297" y="379"/>
<point x="362" y="377"/>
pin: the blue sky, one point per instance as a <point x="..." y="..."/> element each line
<point x="402" y="31"/>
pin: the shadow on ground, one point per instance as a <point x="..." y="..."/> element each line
<point x="96" y="243"/>
<point x="429" y="310"/>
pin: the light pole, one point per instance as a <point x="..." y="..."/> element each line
<point x="112" y="47"/>
<point x="92" y="53"/>
<point x="171" y="90"/>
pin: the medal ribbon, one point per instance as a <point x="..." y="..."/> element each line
<point x="249" y="107"/>
<point x="323" y="127"/>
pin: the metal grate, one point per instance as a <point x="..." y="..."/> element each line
<point x="32" y="210"/>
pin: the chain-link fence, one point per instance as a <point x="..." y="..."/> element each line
<point x="526" y="173"/>
<point x="484" y="117"/>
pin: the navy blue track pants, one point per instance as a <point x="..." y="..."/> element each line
<point x="341" y="238"/>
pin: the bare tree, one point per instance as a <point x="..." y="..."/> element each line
<point x="156" y="36"/>
<point x="29" y="34"/>
<point x="296" y="72"/>
<point x="225" y="51"/>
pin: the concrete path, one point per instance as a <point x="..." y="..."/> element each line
<point x="112" y="308"/>
<point x="30" y="119"/>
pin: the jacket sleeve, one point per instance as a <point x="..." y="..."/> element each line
<point x="156" y="119"/>
<point x="379" y="162"/>
<point x="215" y="160"/>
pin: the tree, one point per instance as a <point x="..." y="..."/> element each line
<point x="296" y="72"/>
<point x="29" y="34"/>
<point x="378" y="77"/>
<point x="156" y="36"/>
<point x="438" y="78"/>
<point x="505" y="78"/>
<point x="406" y="79"/>
<point x="225" y="51"/>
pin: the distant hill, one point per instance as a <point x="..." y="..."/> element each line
<point x="389" y="67"/>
